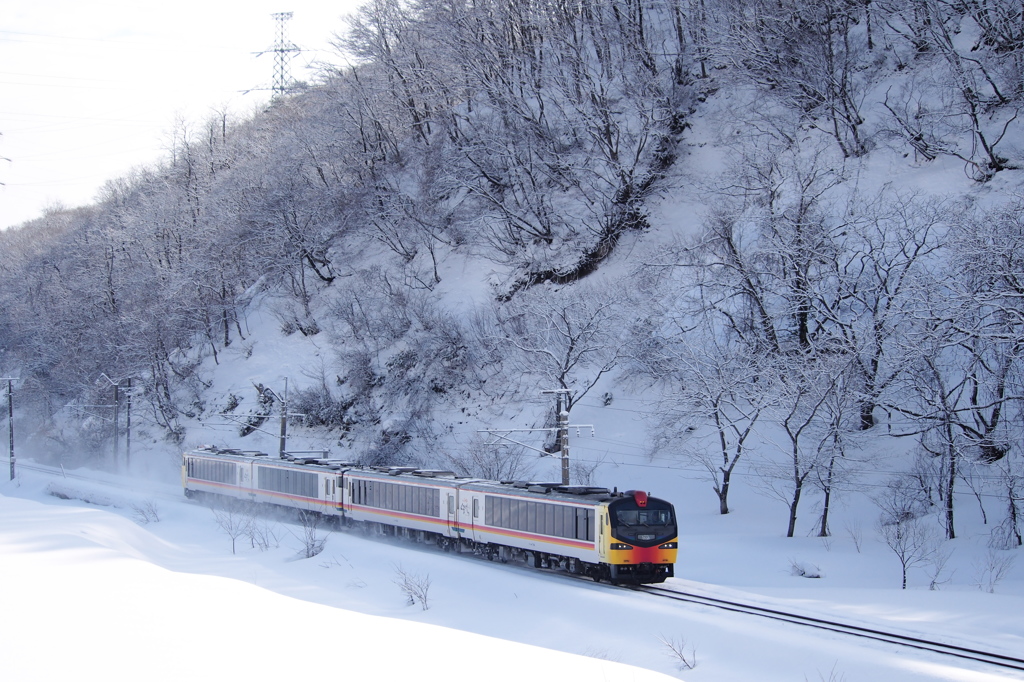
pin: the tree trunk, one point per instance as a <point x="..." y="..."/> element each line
<point x="792" y="507"/>
<point x="950" y="483"/>
<point x="867" y="415"/>
<point x="823" y="531"/>
<point x="723" y="492"/>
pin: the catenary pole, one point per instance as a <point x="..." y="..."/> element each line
<point x="117" y="400"/>
<point x="10" y="422"/>
<point x="128" y="423"/>
<point x="284" y="421"/>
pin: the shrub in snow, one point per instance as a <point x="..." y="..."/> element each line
<point x="686" y="657"/>
<point x="313" y="540"/>
<point x="145" y="512"/>
<point x="415" y="587"/>
<point x="802" y="570"/>
<point x="991" y="569"/>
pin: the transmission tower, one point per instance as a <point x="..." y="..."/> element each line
<point x="283" y="51"/>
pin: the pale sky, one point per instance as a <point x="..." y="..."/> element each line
<point x="89" y="90"/>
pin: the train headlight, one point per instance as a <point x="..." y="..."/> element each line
<point x="620" y="545"/>
<point x="669" y="545"/>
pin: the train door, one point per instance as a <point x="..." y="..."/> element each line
<point x="471" y="509"/>
<point x="332" y="493"/>
<point x="451" y="511"/>
<point x="245" y="479"/>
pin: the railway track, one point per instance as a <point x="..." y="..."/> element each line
<point x="1003" y="661"/>
<point x="113" y="482"/>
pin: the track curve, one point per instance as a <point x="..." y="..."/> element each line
<point x="1000" y="660"/>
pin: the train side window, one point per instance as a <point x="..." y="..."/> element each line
<point x="476" y="508"/>
<point x="451" y="503"/>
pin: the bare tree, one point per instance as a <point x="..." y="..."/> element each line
<point x="568" y="341"/>
<point x="976" y="92"/>
<point x="711" y="404"/>
<point x="838" y="418"/>
<point x="884" y="250"/>
<point x="233" y="518"/>
<point x="991" y="569"/>
<point x="811" y="55"/>
<point x="492" y="461"/>
<point x="901" y="528"/>
<point x="963" y="379"/>
<point x="802" y="391"/>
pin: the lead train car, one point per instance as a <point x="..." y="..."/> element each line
<point x="619" y="537"/>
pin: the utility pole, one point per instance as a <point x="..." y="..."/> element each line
<point x="284" y="421"/>
<point x="117" y="400"/>
<point x="561" y="430"/>
<point x="117" y="420"/>
<point x="282" y="445"/>
<point x="10" y="421"/>
<point x="128" y="422"/>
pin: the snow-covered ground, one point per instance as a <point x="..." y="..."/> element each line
<point x="92" y="591"/>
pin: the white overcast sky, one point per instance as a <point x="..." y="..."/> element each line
<point x="89" y="90"/>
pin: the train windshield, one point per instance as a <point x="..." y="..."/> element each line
<point x="643" y="517"/>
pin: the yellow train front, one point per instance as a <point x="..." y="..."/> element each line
<point x="639" y="538"/>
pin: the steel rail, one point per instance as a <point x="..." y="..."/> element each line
<point x="61" y="474"/>
<point x="1000" y="660"/>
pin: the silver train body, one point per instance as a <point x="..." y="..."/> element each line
<point x="545" y="525"/>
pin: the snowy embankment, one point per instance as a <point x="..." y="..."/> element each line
<point x="88" y="597"/>
<point x="93" y="592"/>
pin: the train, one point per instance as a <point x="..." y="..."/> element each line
<point x="625" y="537"/>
